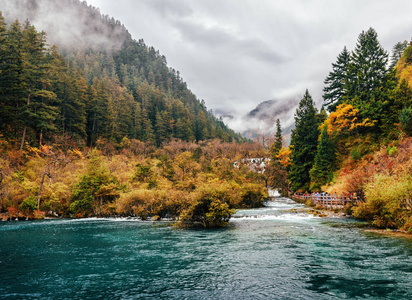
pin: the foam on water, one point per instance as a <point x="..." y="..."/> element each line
<point x="288" y="217"/>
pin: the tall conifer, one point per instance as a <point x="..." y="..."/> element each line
<point x="278" y="143"/>
<point x="367" y="68"/>
<point x="369" y="83"/>
<point x="397" y="52"/>
<point x="324" y="163"/>
<point x="334" y="89"/>
<point x="304" y="143"/>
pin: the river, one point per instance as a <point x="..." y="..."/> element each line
<point x="273" y="252"/>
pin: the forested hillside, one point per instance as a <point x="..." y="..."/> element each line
<point x="102" y="89"/>
<point x="101" y="126"/>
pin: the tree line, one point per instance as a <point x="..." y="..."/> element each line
<point x="95" y="96"/>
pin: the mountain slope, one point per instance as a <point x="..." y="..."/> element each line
<point x="104" y="85"/>
<point x="262" y="119"/>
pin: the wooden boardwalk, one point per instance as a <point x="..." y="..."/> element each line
<point x="327" y="201"/>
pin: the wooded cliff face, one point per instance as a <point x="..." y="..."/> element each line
<point x="99" y="84"/>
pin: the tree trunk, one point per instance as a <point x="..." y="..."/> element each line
<point x="23" y="138"/>
<point x="92" y="135"/>
<point x="25" y="126"/>
<point x="63" y="119"/>
<point x="41" y="136"/>
<point x="45" y="172"/>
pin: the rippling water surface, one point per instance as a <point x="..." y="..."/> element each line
<point x="268" y="253"/>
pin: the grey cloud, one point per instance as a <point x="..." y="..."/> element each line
<point x="167" y="8"/>
<point x="218" y="39"/>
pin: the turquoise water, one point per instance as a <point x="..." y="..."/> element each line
<point x="268" y="253"/>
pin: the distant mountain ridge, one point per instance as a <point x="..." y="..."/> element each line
<point x="262" y="119"/>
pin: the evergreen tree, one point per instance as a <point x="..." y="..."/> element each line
<point x="367" y="69"/>
<point x="276" y="171"/>
<point x="397" y="52"/>
<point x="278" y="143"/>
<point x="3" y="30"/>
<point x="8" y="81"/>
<point x="137" y="132"/>
<point x="97" y="112"/>
<point x="71" y="90"/>
<point x="322" y="115"/>
<point x="405" y="120"/>
<point x="325" y="162"/>
<point x="403" y="95"/>
<point x="161" y="131"/>
<point x="148" y="132"/>
<point x="11" y="84"/>
<point x="304" y="143"/>
<point x="200" y="125"/>
<point x="401" y="98"/>
<point x="369" y="83"/>
<point x="43" y="106"/>
<point x="183" y="129"/>
<point x="29" y="102"/>
<point x="334" y="89"/>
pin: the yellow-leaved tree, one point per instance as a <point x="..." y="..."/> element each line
<point x="347" y="129"/>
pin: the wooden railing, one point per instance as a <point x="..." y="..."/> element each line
<point x="327" y="201"/>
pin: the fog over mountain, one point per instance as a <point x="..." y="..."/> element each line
<point x="262" y="119"/>
<point x="68" y="24"/>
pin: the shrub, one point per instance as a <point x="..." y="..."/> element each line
<point x="405" y="118"/>
<point x="391" y="150"/>
<point x="142" y="203"/>
<point x="96" y="187"/>
<point x="356" y="154"/>
<point x="252" y="195"/>
<point x="309" y="203"/>
<point x="387" y="201"/>
<point x="29" y="205"/>
<point x="142" y="173"/>
<point x="39" y="215"/>
<point x="208" y="208"/>
<point x="348" y="209"/>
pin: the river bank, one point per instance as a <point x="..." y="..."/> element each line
<point x="301" y="209"/>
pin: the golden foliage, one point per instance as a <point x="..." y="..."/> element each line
<point x="346" y="120"/>
<point x="284" y="156"/>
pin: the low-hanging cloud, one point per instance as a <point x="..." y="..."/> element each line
<point x="66" y="23"/>
<point x="262" y="119"/>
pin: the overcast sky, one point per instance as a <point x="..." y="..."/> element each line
<point x="235" y="54"/>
